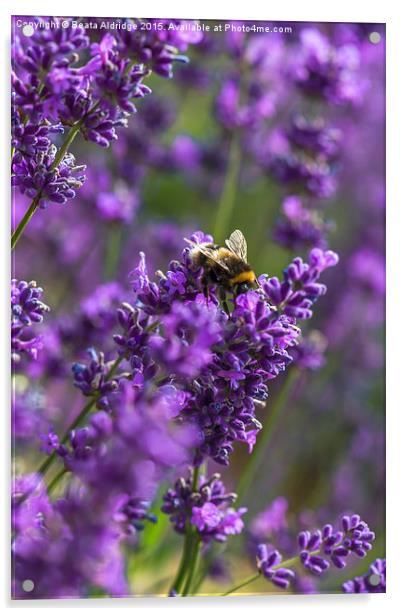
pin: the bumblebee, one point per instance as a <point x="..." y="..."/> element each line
<point x="225" y="267"/>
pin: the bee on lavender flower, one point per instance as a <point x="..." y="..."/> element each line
<point x="225" y="266"/>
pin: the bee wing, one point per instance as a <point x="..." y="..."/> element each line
<point x="237" y="244"/>
<point x="208" y="252"/>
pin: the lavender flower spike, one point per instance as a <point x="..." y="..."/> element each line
<point x="319" y="548"/>
<point x="222" y="362"/>
<point x="93" y="379"/>
<point x="268" y="563"/>
<point x="208" y="508"/>
<point x="38" y="175"/>
<point x="26" y="309"/>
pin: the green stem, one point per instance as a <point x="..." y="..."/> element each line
<point x="248" y="580"/>
<point x="44" y="467"/>
<point x="181" y="572"/>
<point x="71" y="135"/>
<point x="293" y="561"/>
<point x="228" y="195"/>
<point x="80" y="417"/>
<point x="196" y="475"/>
<point x="188" y="545"/>
<point x="24" y="221"/>
<point x="73" y="132"/>
<point x="56" y="480"/>
<point x="112" y="253"/>
<point x="283" y="565"/>
<point x="195" y="553"/>
<point x="255" y="460"/>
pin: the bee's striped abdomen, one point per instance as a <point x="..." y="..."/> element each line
<point x="245" y="276"/>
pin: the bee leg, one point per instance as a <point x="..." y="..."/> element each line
<point x="222" y="297"/>
<point x="206" y="289"/>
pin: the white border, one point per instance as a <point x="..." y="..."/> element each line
<point x="291" y="10"/>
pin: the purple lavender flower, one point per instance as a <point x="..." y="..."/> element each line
<point x="49" y="92"/>
<point x="250" y="93"/>
<point x="94" y="380"/>
<point x="84" y="442"/>
<point x="44" y="69"/>
<point x="300" y="227"/>
<point x="309" y="353"/>
<point x="251" y="345"/>
<point x="75" y="543"/>
<point x="134" y="342"/>
<point x="50" y="441"/>
<point x="28" y="416"/>
<point x="186" y="153"/>
<point x="374" y="581"/>
<point x="299" y="290"/>
<point x="27" y="487"/>
<point x="119" y="465"/>
<point x="97" y="125"/>
<point x="301" y="157"/>
<point x="259" y="105"/>
<point x="367" y="268"/>
<point x="320" y="546"/>
<point x="48" y="46"/>
<point x="26" y="309"/>
<point x="268" y="563"/>
<point x="193" y="76"/>
<point x="157" y="115"/>
<point x="158" y="48"/>
<point x="306" y="585"/>
<point x="115" y="81"/>
<point x="206" y="506"/>
<point x="325" y="71"/>
<point x="92" y="324"/>
<point x="271" y="520"/>
<point x="38" y="177"/>
<point x="133" y="513"/>
<point x="26" y="96"/>
<point x="131" y="449"/>
<point x="180" y="32"/>
<point x="117" y="206"/>
<point x="314" y="137"/>
<point x="206" y="517"/>
<point x="48" y="546"/>
<point x="29" y="138"/>
<point x="189" y="331"/>
<point x="194" y="377"/>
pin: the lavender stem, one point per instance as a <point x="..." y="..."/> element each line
<point x="187" y="546"/>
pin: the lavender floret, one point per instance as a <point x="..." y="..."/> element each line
<point x="321" y="547"/>
<point x="27" y="309"/>
<point x="39" y="177"/>
<point x="207" y="506"/>
<point x="93" y="379"/>
<point x="268" y="563"/>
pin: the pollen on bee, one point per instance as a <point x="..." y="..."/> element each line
<point x="247" y="276"/>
